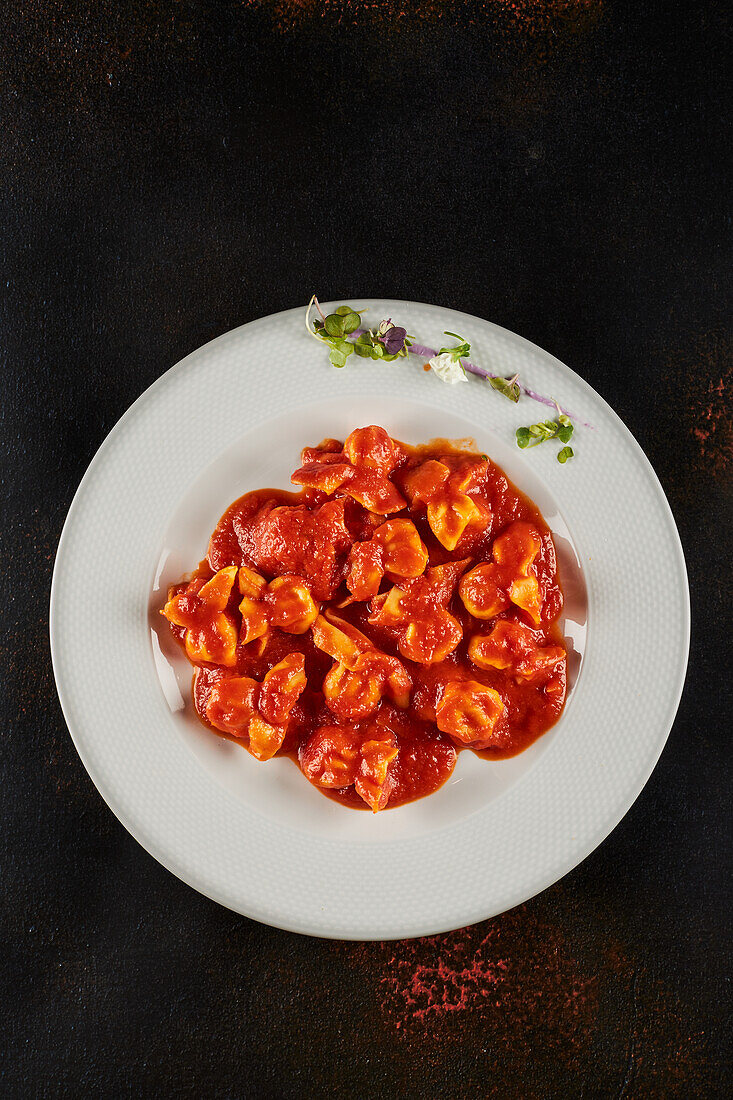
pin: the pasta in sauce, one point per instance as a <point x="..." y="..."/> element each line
<point x="400" y="607"/>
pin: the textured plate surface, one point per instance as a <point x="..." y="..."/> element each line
<point x="256" y="837"/>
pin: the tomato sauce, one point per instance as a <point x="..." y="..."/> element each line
<point x="401" y="606"/>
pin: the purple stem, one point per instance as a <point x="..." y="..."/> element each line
<point x="428" y="353"/>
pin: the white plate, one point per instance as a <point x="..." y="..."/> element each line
<point x="257" y="837"/>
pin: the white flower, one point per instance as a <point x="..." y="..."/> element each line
<point x="447" y="368"/>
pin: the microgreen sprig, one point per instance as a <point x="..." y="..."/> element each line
<point x="561" y="429"/>
<point x="461" y="351"/>
<point x="387" y="341"/>
<point x="446" y="363"/>
<point x="508" y="386"/>
<point x="342" y="331"/>
<point x="333" y="330"/>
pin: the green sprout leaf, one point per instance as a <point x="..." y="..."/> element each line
<point x="561" y="429"/>
<point x="507" y="386"/>
<point x="461" y="351"/>
<point x="334" y="329"/>
<point x="334" y="324"/>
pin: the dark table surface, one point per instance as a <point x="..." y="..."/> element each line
<point x="171" y="170"/>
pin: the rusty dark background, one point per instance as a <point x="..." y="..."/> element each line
<point x="171" y="170"/>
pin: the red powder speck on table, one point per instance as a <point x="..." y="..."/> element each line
<point x="515" y="973"/>
<point x="512" y="987"/>
<point x="713" y="430"/>
<point x="705" y="370"/>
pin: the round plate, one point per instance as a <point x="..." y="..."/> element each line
<point x="257" y="837"/>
